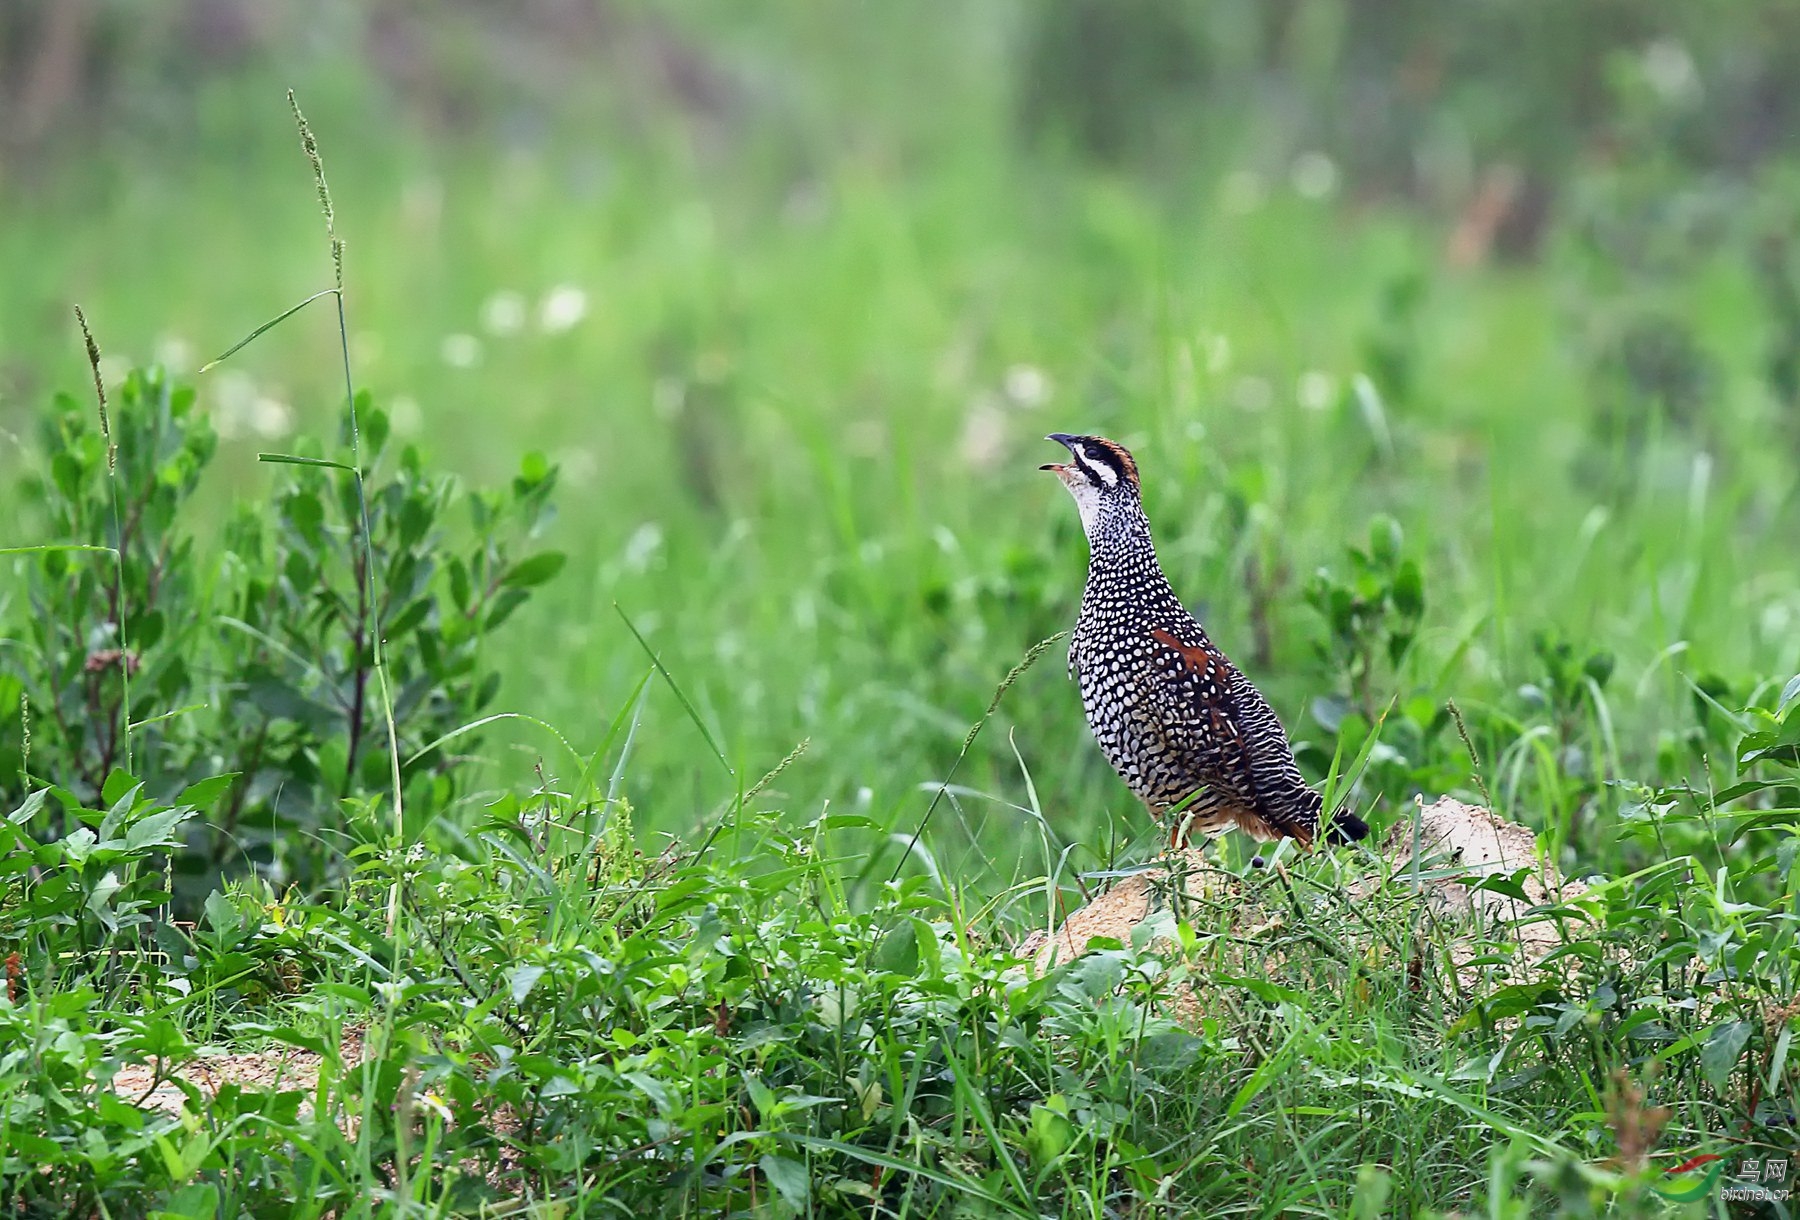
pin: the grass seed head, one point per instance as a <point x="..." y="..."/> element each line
<point x="311" y="146"/>
<point x="93" y="355"/>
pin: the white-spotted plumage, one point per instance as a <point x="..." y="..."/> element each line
<point x="1182" y="726"/>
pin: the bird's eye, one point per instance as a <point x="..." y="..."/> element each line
<point x="1098" y="473"/>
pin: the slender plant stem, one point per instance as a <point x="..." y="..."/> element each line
<point x="118" y="598"/>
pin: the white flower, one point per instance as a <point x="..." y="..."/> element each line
<point x="1314" y="175"/>
<point x="1027" y="385"/>
<point x="642" y="546"/>
<point x="562" y="308"/>
<point x="404" y="414"/>
<point x="1670" y="70"/>
<point x="234" y="397"/>
<point x="174" y="354"/>
<point x="1243" y="191"/>
<point x="460" y="351"/>
<point x="270" y="417"/>
<point x="1218" y="353"/>
<point x="578" y="466"/>
<point x="503" y="313"/>
<point x="1315" y="390"/>
<point x="984" y="436"/>
<point x="1252" y="393"/>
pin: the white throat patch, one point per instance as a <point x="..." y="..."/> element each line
<point x="1087" y="502"/>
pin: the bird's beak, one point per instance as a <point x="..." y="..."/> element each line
<point x="1063" y="439"/>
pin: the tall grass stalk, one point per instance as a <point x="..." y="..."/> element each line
<point x="367" y="591"/>
<point x="1012" y="675"/>
<point x="366" y="579"/>
<point x="118" y="547"/>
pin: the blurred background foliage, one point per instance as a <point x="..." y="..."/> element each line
<point x="788" y="292"/>
<point x="1447" y="105"/>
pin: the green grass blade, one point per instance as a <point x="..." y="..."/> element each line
<point x="463" y="729"/>
<point x="675" y="686"/>
<point x="1013" y="675"/>
<point x="294" y="459"/>
<point x="271" y="324"/>
<point x="158" y="719"/>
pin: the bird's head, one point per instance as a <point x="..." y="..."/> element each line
<point x="1102" y="477"/>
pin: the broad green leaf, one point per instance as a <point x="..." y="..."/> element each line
<point x="195" y="1201"/>
<point x="1789" y="694"/>
<point x="789" y="1178"/>
<point x="534" y="569"/>
<point x="117" y="786"/>
<point x="101" y="898"/>
<point x="523" y="979"/>
<point x="29" y="808"/>
<point x="761" y="1095"/>
<point x="221" y="916"/>
<point x="1719" y="1053"/>
<point x="154" y="830"/>
<point x="652" y="1088"/>
<point x="1051" y="1132"/>
<point x="898" y="951"/>
<point x="202" y="793"/>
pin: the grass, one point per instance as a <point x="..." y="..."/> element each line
<point x="841" y="557"/>
<point x="797" y="427"/>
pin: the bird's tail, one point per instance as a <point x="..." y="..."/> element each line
<point x="1303" y="822"/>
<point x="1346" y="827"/>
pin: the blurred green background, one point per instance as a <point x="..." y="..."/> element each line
<point x="792" y="291"/>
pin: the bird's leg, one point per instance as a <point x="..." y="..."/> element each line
<point x="1178" y="828"/>
<point x="1181" y="832"/>
<point x="1183" y="865"/>
<point x="1181" y="829"/>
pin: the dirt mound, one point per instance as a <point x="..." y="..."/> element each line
<point x="1457" y="848"/>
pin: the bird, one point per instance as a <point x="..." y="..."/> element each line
<point x="1189" y="734"/>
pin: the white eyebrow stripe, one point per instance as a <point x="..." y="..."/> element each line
<point x="1103" y="470"/>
